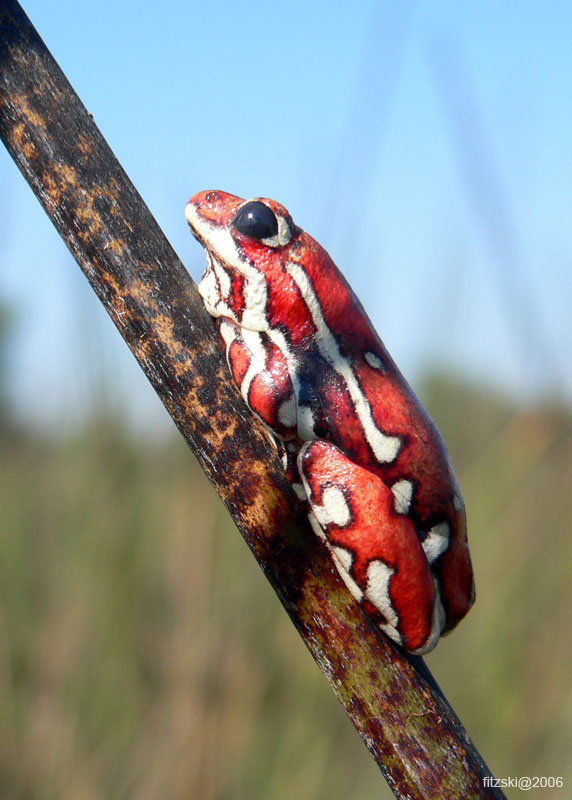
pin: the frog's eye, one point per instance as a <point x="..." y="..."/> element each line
<point x="257" y="221"/>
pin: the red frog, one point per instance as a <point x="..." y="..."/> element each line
<point x="357" y="445"/>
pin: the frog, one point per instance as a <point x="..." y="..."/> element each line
<point x="358" y="447"/>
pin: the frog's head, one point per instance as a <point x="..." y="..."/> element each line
<point x="246" y="241"/>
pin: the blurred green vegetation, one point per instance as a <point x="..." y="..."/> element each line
<point x="143" y="655"/>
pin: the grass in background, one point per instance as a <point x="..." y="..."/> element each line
<point x="143" y="655"/>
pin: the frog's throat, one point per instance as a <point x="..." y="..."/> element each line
<point x="215" y="288"/>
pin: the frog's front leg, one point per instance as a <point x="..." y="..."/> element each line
<point x="261" y="373"/>
<point x="375" y="548"/>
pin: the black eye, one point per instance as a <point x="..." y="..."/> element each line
<point x="256" y="220"/>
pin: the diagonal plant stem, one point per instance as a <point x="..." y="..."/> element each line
<point x="393" y="701"/>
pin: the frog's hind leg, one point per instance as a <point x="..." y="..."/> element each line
<point x="374" y="545"/>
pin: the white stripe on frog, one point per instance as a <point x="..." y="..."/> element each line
<point x="385" y="448"/>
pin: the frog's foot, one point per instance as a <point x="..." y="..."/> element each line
<point x="374" y="545"/>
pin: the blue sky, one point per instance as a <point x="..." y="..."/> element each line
<point x="426" y="145"/>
